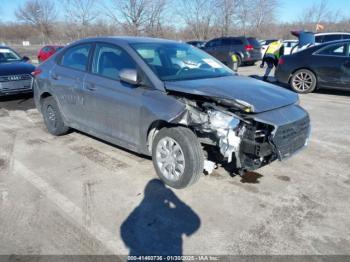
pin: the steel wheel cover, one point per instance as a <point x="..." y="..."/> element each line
<point x="170" y="159"/>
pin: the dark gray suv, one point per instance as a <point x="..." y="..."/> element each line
<point x="171" y="101"/>
<point x="247" y="49"/>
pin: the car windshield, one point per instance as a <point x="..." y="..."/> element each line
<point x="8" y="55"/>
<point x="176" y="62"/>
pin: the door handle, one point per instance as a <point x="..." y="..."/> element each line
<point x="90" y="87"/>
<point x="55" y="76"/>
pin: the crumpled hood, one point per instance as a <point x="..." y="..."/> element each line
<point x="260" y="95"/>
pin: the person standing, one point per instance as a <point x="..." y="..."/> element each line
<point x="274" y="51"/>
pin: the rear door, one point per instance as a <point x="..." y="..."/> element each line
<point x="113" y="107"/>
<point x="332" y="65"/>
<point x="256" y="52"/>
<point x="67" y="79"/>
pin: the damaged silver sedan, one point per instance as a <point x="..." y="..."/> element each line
<point x="170" y="101"/>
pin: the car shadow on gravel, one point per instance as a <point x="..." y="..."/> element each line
<point x="157" y="224"/>
<point x="333" y="92"/>
<point x="17" y="102"/>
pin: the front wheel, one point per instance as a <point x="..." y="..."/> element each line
<point x="177" y="157"/>
<point x="303" y="81"/>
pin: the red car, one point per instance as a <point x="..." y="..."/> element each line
<point x="47" y="51"/>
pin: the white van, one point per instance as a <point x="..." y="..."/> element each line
<point x="328" y="37"/>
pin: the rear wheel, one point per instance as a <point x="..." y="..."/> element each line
<point x="303" y="81"/>
<point x="53" y="118"/>
<point x="177" y="156"/>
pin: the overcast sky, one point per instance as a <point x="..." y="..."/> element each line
<point x="290" y="9"/>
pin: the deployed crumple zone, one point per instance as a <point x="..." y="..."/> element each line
<point x="170" y="101"/>
<point x="250" y="141"/>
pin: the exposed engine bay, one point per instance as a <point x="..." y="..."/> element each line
<point x="231" y="129"/>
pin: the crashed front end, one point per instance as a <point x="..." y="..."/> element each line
<point x="245" y="139"/>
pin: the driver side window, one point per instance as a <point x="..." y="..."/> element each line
<point x="110" y="60"/>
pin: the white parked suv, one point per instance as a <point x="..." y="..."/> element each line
<point x="288" y="46"/>
<point x="328" y="37"/>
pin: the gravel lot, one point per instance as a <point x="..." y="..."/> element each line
<point x="78" y="195"/>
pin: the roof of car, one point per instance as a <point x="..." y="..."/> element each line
<point x="3" y="46"/>
<point x="130" y="39"/>
<point x="333" y="33"/>
<point x="335" y="42"/>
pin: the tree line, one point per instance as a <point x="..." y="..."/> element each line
<point x="47" y="21"/>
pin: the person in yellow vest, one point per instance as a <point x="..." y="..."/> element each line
<point x="273" y="52"/>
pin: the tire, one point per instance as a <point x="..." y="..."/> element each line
<point x="53" y="118"/>
<point x="239" y="60"/>
<point x="303" y="81"/>
<point x="190" y="157"/>
<point x="250" y="63"/>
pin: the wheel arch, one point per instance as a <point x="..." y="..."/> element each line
<point x="154" y="127"/>
<point x="300" y="68"/>
<point x="43" y="96"/>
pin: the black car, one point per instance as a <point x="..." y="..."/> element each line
<point x="321" y="66"/>
<point x="15" y="72"/>
<point x="246" y="49"/>
<point x="196" y="43"/>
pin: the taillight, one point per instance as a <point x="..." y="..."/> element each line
<point x="281" y="61"/>
<point x="249" y="48"/>
<point x="36" y="72"/>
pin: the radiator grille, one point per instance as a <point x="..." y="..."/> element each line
<point x="15" y="83"/>
<point x="292" y="137"/>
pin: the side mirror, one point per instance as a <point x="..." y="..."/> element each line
<point x="25" y="58"/>
<point x="129" y="76"/>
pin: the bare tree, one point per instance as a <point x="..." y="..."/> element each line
<point x="81" y="13"/>
<point x="40" y="14"/>
<point x="155" y="21"/>
<point x="199" y="16"/>
<point x="137" y="16"/>
<point x="319" y="12"/>
<point x="225" y="15"/>
<point x="263" y="14"/>
<point x="243" y="15"/>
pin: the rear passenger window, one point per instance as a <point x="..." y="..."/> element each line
<point x="319" y="39"/>
<point x="231" y="41"/>
<point x="110" y="60"/>
<point x="47" y="49"/>
<point x="213" y="43"/>
<point x="328" y="38"/>
<point x="334" y="50"/>
<point x="77" y="57"/>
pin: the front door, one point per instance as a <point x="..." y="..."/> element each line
<point x="113" y="107"/>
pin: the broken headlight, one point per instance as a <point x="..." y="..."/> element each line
<point x="225" y="126"/>
<point x="219" y="120"/>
